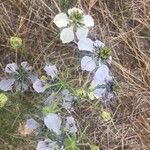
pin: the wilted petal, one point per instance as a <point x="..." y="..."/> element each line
<point x="11" y="68"/>
<point x="101" y="75"/>
<point x="88" y="64"/>
<point x="82" y="32"/>
<point x="47" y="144"/>
<point x="88" y="21"/>
<point x="70" y="125"/>
<point x="32" y="124"/>
<point x="61" y="20"/>
<point x="74" y="10"/>
<point x="86" y="44"/>
<point x="68" y="102"/>
<point x="6" y="84"/>
<point x="39" y="86"/>
<point x="51" y="70"/>
<point x="99" y="44"/>
<point x="26" y="66"/>
<point x="53" y="122"/>
<point x="67" y="35"/>
<point x="50" y="99"/>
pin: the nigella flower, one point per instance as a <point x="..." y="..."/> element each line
<point x="47" y="144"/>
<point x="40" y="85"/>
<point x="98" y="54"/>
<point x="19" y="77"/>
<point x="73" y="24"/>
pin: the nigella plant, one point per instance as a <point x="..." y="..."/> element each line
<point x="73" y="25"/>
<point x="18" y="77"/>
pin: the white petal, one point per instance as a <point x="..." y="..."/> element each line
<point x="70" y="125"/>
<point x="46" y="145"/>
<point x="67" y="35"/>
<point x="6" y="84"/>
<point x="82" y="32"/>
<point x="32" y="124"/>
<point x="99" y="92"/>
<point x="61" y="20"/>
<point x="11" y="68"/>
<point x="73" y="10"/>
<point x="88" y="64"/>
<point x="88" y="21"/>
<point x="86" y="44"/>
<point x="33" y="77"/>
<point x="51" y="70"/>
<point x="26" y="66"/>
<point x="99" y="44"/>
<point x="53" y="122"/>
<point x="39" y="86"/>
<point x="101" y="75"/>
<point x="50" y="99"/>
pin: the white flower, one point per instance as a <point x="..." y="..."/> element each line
<point x="19" y="77"/>
<point x="53" y="123"/>
<point x="88" y="64"/>
<point x="47" y="144"/>
<point x="40" y="86"/>
<point x="73" y="25"/>
<point x="51" y="70"/>
<point x="70" y="125"/>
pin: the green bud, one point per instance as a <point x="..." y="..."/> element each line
<point x="105" y="53"/>
<point x="3" y="100"/>
<point x="106" y="115"/>
<point x="76" y="18"/>
<point x="16" y="42"/>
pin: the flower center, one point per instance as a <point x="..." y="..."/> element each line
<point x="76" y="18"/>
<point x="105" y="53"/>
<point x="22" y="74"/>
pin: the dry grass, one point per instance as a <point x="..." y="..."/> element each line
<point x="123" y="25"/>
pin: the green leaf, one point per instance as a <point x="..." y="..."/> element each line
<point x="3" y="100"/>
<point x="53" y="108"/>
<point x="70" y="143"/>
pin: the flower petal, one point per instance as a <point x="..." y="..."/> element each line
<point x="86" y="44"/>
<point x="39" y="86"/>
<point x="11" y="68"/>
<point x="88" y="64"/>
<point x="32" y="124"/>
<point x="26" y="66"/>
<point x="6" y="84"/>
<point x="51" y="70"/>
<point x="73" y="10"/>
<point x="47" y="144"/>
<point x="53" y="122"/>
<point x="99" y="44"/>
<point x="100" y="92"/>
<point x="101" y="75"/>
<point x="33" y="77"/>
<point x="61" y="20"/>
<point x="82" y="32"/>
<point x="70" y="125"/>
<point x="88" y="21"/>
<point x="67" y="35"/>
